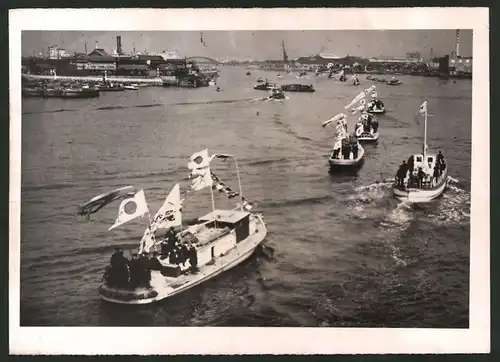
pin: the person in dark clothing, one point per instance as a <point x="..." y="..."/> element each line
<point x="410" y="164"/>
<point x="375" y="126"/>
<point x="145" y="271"/>
<point x="355" y="150"/>
<point x="436" y="173"/>
<point x="442" y="166"/>
<point x="134" y="272"/>
<point x="440" y="157"/>
<point x="336" y="153"/>
<point x="193" y="259"/>
<point x="421" y="176"/>
<point x="115" y="257"/>
<point x="401" y="174"/>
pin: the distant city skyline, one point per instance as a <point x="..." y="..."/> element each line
<point x="259" y="45"/>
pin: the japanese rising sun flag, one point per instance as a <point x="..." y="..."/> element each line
<point x="131" y="208"/>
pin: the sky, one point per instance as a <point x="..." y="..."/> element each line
<point x="261" y="45"/>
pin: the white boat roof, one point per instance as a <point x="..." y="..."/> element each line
<point x="229" y="216"/>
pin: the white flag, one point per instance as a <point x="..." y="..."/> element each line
<point x="360" y="107"/>
<point x="423" y="108"/>
<point x="202" y="180"/>
<point x="337" y="117"/>
<point x="199" y="160"/>
<point x="169" y="214"/>
<point x="148" y="240"/>
<point x="360" y="96"/>
<point x="374" y="95"/>
<point x="131" y="208"/>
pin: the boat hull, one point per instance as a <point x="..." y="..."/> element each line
<point x="165" y="287"/>
<point x="420" y="195"/>
<point x="368" y="137"/>
<point x="376" y="111"/>
<point x="348" y="164"/>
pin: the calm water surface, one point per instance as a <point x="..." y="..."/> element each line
<point x="340" y="251"/>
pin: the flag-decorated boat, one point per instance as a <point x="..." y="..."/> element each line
<point x="347" y="152"/>
<point x="172" y="257"/>
<point x="424" y="176"/>
<point x="375" y="105"/>
<point x="366" y="130"/>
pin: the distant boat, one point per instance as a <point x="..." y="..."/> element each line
<point x="297" y="87"/>
<point x="424" y="177"/>
<point x="131" y="87"/>
<point x="248" y="73"/>
<point x="394" y="81"/>
<point x="263" y="85"/>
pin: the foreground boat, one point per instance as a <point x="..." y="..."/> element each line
<point x="181" y="258"/>
<point x="424" y="177"/>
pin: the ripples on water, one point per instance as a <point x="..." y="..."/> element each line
<point x="341" y="251"/>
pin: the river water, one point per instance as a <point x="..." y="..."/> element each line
<point x="340" y="251"/>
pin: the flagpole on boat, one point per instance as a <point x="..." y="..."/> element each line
<point x="239" y="182"/>
<point x="425" y="132"/>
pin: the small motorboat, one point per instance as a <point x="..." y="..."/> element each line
<point x="171" y="262"/>
<point x="394" y="81"/>
<point x="276" y="93"/>
<point x="347" y="153"/>
<point x="366" y="130"/>
<point x="131" y="87"/>
<point x="248" y="73"/>
<point x="424" y="177"/>
<point x="376" y="106"/>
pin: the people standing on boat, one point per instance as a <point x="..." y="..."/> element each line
<point x="442" y="166"/>
<point x="421" y="177"/>
<point x="440" y="157"/>
<point x="193" y="258"/>
<point x="374" y="124"/>
<point x="355" y="150"/>
<point x="401" y="173"/>
<point x="436" y="173"/>
<point x="411" y="164"/>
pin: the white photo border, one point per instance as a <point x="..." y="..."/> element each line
<point x="233" y="340"/>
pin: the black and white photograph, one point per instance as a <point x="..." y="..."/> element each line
<point x="250" y="173"/>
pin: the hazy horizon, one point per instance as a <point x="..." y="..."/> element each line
<point x="260" y="45"/>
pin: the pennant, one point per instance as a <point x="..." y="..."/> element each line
<point x="360" y="96"/>
<point x="169" y="214"/>
<point x="131" y="208"/>
<point x="423" y="108"/>
<point x="338" y="117"/>
<point x="98" y="202"/>
<point x="148" y="240"/>
<point x="360" y="107"/>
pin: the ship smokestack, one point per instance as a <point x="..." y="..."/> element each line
<point x="86" y="48"/>
<point x="119" y="45"/>
<point x="96" y="44"/>
<point x="457" y="50"/>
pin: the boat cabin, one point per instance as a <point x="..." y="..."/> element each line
<point x="217" y="233"/>
<point x="427" y="165"/>
<point x="231" y="219"/>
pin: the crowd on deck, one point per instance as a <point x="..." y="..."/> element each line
<point x="135" y="272"/>
<point x="409" y="177"/>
